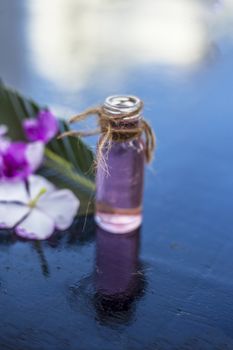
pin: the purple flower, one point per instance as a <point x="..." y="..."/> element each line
<point x="42" y="128"/>
<point x="18" y="160"/>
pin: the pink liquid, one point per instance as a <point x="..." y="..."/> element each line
<point x="119" y="193"/>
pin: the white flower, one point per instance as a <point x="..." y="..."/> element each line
<point x="36" y="213"/>
<point x="4" y="141"/>
<point x="3" y="129"/>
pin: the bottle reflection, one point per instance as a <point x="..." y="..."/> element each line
<point x="119" y="281"/>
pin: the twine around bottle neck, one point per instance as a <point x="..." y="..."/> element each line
<point x="109" y="125"/>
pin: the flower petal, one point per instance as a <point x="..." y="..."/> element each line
<point x="13" y="192"/>
<point x="3" y="129"/>
<point x="30" y="127"/>
<point x="14" y="163"/>
<point x="4" y="144"/>
<point x="60" y="205"/>
<point x="37" y="183"/>
<point x="35" y="154"/>
<point x="11" y="214"/>
<point x="42" y="128"/>
<point x="37" y="225"/>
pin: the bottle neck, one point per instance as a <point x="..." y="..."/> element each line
<point x="124" y="123"/>
<point x="122" y="129"/>
<point x="122" y="112"/>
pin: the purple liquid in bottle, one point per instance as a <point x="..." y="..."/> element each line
<point x="120" y="190"/>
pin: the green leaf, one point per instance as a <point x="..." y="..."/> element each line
<point x="68" y="162"/>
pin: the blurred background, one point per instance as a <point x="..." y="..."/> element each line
<point x="71" y="53"/>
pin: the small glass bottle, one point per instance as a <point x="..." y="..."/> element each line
<point x="119" y="191"/>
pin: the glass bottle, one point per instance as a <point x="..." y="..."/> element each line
<point x="119" y="191"/>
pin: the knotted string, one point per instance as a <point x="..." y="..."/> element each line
<point x="110" y="127"/>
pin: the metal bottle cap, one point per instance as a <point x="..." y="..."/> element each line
<point x="123" y="104"/>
